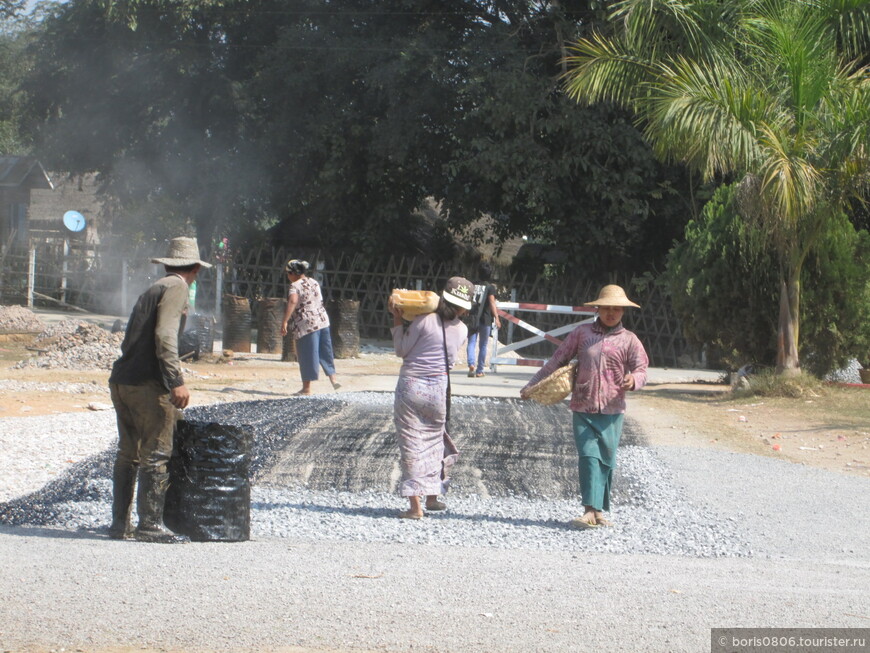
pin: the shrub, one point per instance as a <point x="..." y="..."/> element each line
<point x="724" y="286"/>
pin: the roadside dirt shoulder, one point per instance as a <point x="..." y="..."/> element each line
<point x="242" y="377"/>
<point x="804" y="431"/>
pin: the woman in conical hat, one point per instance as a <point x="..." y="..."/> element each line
<point x="610" y="361"/>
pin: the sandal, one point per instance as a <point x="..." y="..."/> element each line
<point x="581" y="524"/>
<point x="601" y="521"/>
<point x="470" y="372"/>
<point x="410" y="514"/>
<point x="480" y="375"/>
<point x="436" y="505"/>
<point x="301" y="393"/>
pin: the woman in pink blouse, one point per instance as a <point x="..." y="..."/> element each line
<point x="310" y="326"/>
<point x="428" y="347"/>
<point x="610" y="361"/>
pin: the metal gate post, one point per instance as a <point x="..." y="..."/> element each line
<point x="124" y="274"/>
<point x="31" y="275"/>
<point x="218" y="285"/>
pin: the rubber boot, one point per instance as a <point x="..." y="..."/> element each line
<point x="152" y="495"/>
<point x="123" y="483"/>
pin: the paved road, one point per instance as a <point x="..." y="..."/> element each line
<point x="77" y="591"/>
<point x="64" y="592"/>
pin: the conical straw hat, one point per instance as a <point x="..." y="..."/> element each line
<point x="183" y="251"/>
<point x="611" y="295"/>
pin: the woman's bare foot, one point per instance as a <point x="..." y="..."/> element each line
<point x="588" y="519"/>
<point x="415" y="510"/>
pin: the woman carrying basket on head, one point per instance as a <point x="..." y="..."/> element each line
<point x="610" y="361"/>
<point x="427" y="347"/>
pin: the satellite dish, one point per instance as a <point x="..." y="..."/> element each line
<point x="74" y="221"/>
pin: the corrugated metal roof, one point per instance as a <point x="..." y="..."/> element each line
<point x="16" y="170"/>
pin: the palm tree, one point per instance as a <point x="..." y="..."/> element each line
<point x="772" y="93"/>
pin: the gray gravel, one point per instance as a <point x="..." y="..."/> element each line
<point x="848" y="374"/>
<point x="76" y="346"/>
<point x="644" y="489"/>
<point x="783" y="510"/>
<point x="703" y="539"/>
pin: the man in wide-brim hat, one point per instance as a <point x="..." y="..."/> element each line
<point x="610" y="361"/>
<point x="147" y="391"/>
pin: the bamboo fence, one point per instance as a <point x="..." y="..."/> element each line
<point x="100" y="280"/>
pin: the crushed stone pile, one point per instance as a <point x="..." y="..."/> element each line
<point x="54" y="331"/>
<point x="848" y="374"/>
<point x="17" y="319"/>
<point x="89" y="347"/>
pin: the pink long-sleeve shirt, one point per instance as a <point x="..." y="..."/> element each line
<point x="603" y="356"/>
<point x="421" y="344"/>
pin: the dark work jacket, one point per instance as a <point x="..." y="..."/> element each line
<point x="150" y="347"/>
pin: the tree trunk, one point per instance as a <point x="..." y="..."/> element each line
<point x="787" y="362"/>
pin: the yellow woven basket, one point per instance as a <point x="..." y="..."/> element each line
<point x="414" y="302"/>
<point x="555" y="387"/>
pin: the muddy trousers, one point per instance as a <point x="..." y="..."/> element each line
<point x="146" y="425"/>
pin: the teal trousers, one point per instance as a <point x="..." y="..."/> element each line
<point x="597" y="438"/>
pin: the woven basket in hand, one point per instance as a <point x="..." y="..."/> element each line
<point x="555" y="387"/>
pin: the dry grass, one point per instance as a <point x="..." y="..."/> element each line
<point x="769" y="384"/>
<point x="840" y="407"/>
<point x="824" y="426"/>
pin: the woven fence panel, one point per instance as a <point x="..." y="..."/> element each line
<point x="370" y="282"/>
<point x="258" y="273"/>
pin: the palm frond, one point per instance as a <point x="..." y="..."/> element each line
<point x="849" y="23"/>
<point x="600" y="69"/>
<point x="795" y="51"/>
<point x="704" y="116"/>
<point x="790" y="181"/>
<point x="661" y="27"/>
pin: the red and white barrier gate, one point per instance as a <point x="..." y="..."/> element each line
<point x="499" y="357"/>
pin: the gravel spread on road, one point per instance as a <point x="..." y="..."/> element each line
<point x="55" y="471"/>
<point x="69" y="487"/>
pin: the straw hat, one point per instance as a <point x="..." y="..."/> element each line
<point x="458" y="291"/>
<point x="183" y="251"/>
<point x="611" y="295"/>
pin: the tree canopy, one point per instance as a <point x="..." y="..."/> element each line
<point x="333" y="122"/>
<point x="772" y="93"/>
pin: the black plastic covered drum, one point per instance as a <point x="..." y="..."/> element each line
<point x="198" y="337"/>
<point x="209" y="496"/>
